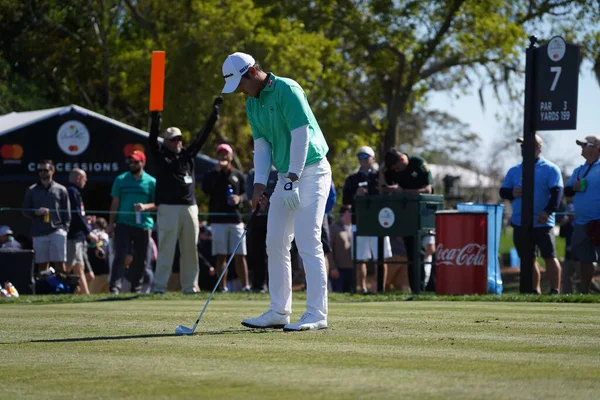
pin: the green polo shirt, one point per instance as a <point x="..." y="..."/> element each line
<point x="280" y="108"/>
<point x="131" y="191"/>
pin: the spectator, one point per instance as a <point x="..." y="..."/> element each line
<point x="177" y="208"/>
<point x="342" y="267"/>
<point x="402" y="173"/>
<point x="397" y="273"/>
<point x="364" y="182"/>
<point x="79" y="231"/>
<point x="7" y="240"/>
<point x="99" y="256"/>
<point x="584" y="187"/>
<point x="570" y="267"/>
<point x="428" y="251"/>
<point x="226" y="187"/>
<point x="131" y="191"/>
<point x="257" y="235"/>
<point x="547" y="196"/>
<point x="47" y="204"/>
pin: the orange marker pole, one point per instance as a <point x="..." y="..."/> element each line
<point x="157" y="80"/>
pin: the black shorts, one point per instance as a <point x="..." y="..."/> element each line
<point x="543" y="238"/>
<point x="325" y="236"/>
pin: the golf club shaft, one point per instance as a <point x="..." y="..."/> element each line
<point x="226" y="266"/>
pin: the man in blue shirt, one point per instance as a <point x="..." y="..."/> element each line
<point x="548" y="190"/>
<point x="584" y="187"/>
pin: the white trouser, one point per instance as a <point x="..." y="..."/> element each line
<point x="304" y="224"/>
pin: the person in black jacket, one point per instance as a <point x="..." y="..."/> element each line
<point x="226" y="187"/>
<point x="79" y="231"/>
<point x="177" y="208"/>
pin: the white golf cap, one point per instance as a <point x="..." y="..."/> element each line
<point x="234" y="67"/>
<point x="366" y="150"/>
<point x="172" y="132"/>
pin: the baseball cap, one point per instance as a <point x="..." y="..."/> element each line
<point x="138" y="156"/>
<point x="5" y="230"/>
<point x="366" y="150"/>
<point x="234" y="67"/>
<point x="224" y="147"/>
<point x="538" y="140"/>
<point x="595" y="140"/>
<point x="172" y="132"/>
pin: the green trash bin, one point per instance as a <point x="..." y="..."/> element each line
<point x="398" y="215"/>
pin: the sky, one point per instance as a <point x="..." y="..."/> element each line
<point x="559" y="146"/>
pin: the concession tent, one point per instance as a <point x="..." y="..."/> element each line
<point x="73" y="137"/>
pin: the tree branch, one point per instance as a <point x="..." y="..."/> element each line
<point x="363" y="110"/>
<point x="144" y="23"/>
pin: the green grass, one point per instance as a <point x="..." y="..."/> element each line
<point x="374" y="349"/>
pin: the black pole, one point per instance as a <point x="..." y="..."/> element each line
<point x="353" y="288"/>
<point x="380" y="263"/>
<point x="526" y="279"/>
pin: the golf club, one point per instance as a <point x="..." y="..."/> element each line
<point x="184" y="330"/>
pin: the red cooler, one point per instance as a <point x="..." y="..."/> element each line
<point x="461" y="253"/>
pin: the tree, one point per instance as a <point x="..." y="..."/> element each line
<point x="395" y="52"/>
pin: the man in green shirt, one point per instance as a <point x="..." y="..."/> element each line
<point x="287" y="135"/>
<point x="132" y="197"/>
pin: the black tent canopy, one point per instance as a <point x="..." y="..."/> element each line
<point x="73" y="137"/>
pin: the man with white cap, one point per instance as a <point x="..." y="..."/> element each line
<point x="364" y="182"/>
<point x="584" y="187"/>
<point x="287" y="135"/>
<point x="177" y="208"/>
<point x="548" y="191"/>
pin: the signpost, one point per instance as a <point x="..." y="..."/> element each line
<point x="551" y="84"/>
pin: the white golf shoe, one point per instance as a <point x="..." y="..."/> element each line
<point x="269" y="319"/>
<point x="307" y="322"/>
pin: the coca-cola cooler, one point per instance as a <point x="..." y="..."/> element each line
<point x="461" y="253"/>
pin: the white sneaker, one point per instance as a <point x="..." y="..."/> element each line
<point x="269" y="319"/>
<point x="307" y="322"/>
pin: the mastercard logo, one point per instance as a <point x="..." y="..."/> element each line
<point x="11" y="151"/>
<point x="128" y="149"/>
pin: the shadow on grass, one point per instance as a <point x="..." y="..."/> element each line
<point x="149" y="336"/>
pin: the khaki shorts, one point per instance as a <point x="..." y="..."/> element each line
<point x="75" y="249"/>
<point x="51" y="248"/>
<point x="226" y="237"/>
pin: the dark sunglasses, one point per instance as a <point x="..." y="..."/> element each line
<point x="176" y="139"/>
<point x="588" y="145"/>
<point x="363" y="156"/>
<point x="132" y="161"/>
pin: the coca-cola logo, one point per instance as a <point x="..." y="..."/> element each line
<point x="469" y="255"/>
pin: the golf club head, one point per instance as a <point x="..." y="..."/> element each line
<point x="183" y="330"/>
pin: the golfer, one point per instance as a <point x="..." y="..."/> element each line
<point x="287" y="135"/>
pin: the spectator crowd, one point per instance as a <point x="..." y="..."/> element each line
<point x="133" y="251"/>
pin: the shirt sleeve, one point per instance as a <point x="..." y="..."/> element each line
<point x="427" y="171"/>
<point x="573" y="177"/>
<point x="152" y="191"/>
<point x="255" y="131"/>
<point x="116" y="188"/>
<point x="555" y="178"/>
<point x="295" y="108"/>
<point x="507" y="182"/>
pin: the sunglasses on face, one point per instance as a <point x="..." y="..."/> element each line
<point x="176" y="139"/>
<point x="363" y="156"/>
<point x="588" y="145"/>
<point x="134" y="162"/>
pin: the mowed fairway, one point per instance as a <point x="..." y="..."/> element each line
<point x="445" y="350"/>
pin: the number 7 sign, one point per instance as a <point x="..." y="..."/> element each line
<point x="556" y="86"/>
